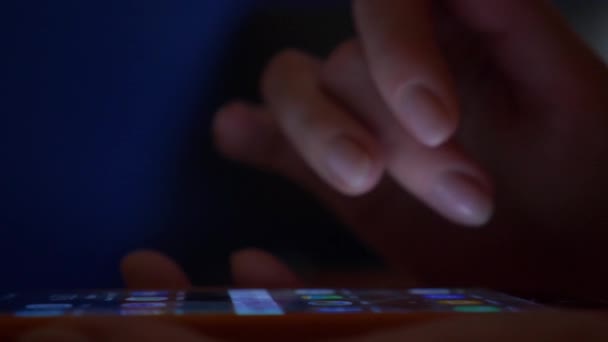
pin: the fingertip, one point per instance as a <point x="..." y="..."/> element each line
<point x="464" y="198"/>
<point x="150" y="269"/>
<point x="427" y="116"/>
<point x="231" y="127"/>
<point x="246" y="133"/>
<point x="354" y="167"/>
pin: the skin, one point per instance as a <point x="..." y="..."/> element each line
<point x="526" y="166"/>
<point x="487" y="114"/>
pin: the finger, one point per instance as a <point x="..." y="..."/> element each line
<point x="256" y="268"/>
<point x="340" y="150"/>
<point x="444" y="177"/>
<point x="249" y="134"/>
<point x="407" y="66"/>
<point x="525" y="327"/>
<point x="152" y="270"/>
<point x="115" y="330"/>
<point x="538" y="51"/>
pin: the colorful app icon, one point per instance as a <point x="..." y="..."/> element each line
<point x="143" y="305"/>
<point x="460" y="302"/>
<point x="147" y="299"/>
<point x="322" y="297"/>
<point x="445" y="296"/>
<point x="339" y="310"/>
<point x="477" y="309"/>
<point x="58" y="306"/>
<point x="330" y="303"/>
<point x="313" y="292"/>
<point x="254" y="302"/>
<point x="149" y="294"/>
<point x="423" y="292"/>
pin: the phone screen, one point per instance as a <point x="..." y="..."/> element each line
<point x="259" y="302"/>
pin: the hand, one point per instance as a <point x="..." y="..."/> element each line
<point x="533" y="121"/>
<point x="151" y="270"/>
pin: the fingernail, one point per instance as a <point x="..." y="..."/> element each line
<point x="350" y="163"/>
<point x="464" y="199"/>
<point x="53" y="336"/>
<point x="426" y="116"/>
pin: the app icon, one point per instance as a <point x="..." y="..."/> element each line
<point x="143" y="305"/>
<point x="322" y="297"/>
<point x="477" y="309"/>
<point x="147" y="299"/>
<point x="141" y="312"/>
<point x="444" y="296"/>
<point x="339" y="310"/>
<point x="39" y="313"/>
<point x="254" y="303"/>
<point x="460" y="302"/>
<point x="149" y="293"/>
<point x="312" y="292"/>
<point x="330" y="303"/>
<point x="430" y="291"/>
<point x="49" y="306"/>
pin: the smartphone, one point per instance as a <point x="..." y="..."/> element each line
<point x="262" y="314"/>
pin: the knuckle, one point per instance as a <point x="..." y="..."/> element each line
<point x="346" y="60"/>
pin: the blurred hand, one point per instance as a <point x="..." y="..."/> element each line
<point x="490" y="113"/>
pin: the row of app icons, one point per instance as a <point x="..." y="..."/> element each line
<point x="135" y="296"/>
<point x="324" y="300"/>
<point x="445" y="297"/>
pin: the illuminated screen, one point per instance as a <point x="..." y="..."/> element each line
<point x="259" y="302"/>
